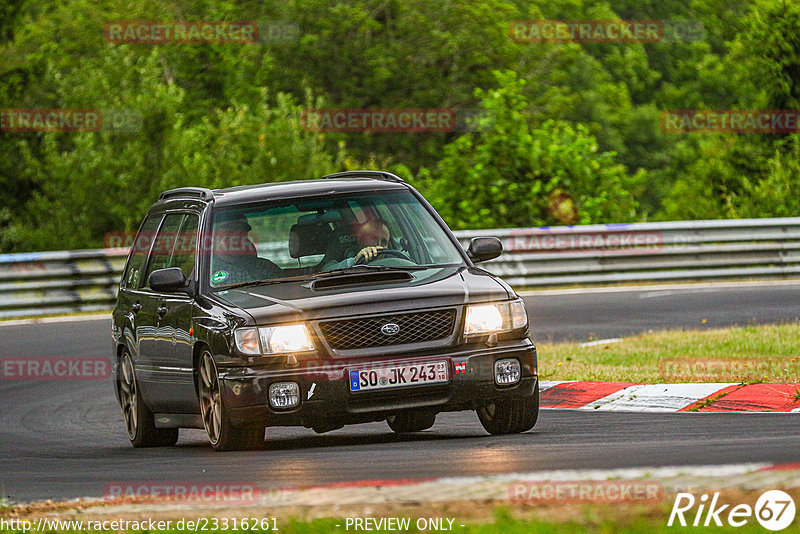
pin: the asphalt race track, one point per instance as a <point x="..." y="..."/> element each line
<point x="66" y="439"/>
<point x="615" y="312"/>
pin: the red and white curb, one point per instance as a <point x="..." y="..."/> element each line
<point x="695" y="397"/>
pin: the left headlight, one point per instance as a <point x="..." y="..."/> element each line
<point x="274" y="339"/>
<point x="495" y="317"/>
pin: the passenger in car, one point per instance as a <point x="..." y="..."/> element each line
<point x="235" y="256"/>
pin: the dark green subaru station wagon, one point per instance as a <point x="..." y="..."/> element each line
<point x="318" y="303"/>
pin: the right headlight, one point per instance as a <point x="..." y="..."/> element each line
<point x="495" y="317"/>
<point x="270" y="340"/>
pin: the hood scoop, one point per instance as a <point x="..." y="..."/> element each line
<point x="349" y="279"/>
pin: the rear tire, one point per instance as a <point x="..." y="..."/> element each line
<point x="404" y="422"/>
<point x="139" y="420"/>
<point x="510" y="416"/>
<point x="221" y="432"/>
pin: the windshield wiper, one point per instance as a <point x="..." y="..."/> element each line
<point x="264" y="282"/>
<point x="364" y="268"/>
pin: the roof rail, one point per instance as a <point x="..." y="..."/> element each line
<point x="377" y="175"/>
<point x="202" y="193"/>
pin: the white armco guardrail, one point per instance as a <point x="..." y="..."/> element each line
<point x="683" y="250"/>
<point x="56" y="282"/>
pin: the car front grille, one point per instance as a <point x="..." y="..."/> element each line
<point x="365" y="333"/>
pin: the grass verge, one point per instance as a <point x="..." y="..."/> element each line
<point x="747" y="354"/>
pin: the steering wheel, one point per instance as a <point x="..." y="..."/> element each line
<point x="386" y="252"/>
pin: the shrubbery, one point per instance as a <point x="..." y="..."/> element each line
<point x="568" y="133"/>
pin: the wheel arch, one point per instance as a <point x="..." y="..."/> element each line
<point x="197" y="351"/>
<point x="116" y="369"/>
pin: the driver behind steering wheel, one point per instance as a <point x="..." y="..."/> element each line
<point x="372" y="236"/>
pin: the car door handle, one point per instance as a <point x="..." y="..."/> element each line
<point x="162" y="311"/>
<point x="136" y="307"/>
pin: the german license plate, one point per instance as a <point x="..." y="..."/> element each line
<point x="398" y="376"/>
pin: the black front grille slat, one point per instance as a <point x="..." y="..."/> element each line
<point x="364" y="333"/>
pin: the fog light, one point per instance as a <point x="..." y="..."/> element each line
<point x="284" y="394"/>
<point x="506" y="372"/>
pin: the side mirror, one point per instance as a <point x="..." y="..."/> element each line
<point x="170" y="280"/>
<point x="484" y="248"/>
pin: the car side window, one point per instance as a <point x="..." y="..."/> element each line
<point x="139" y="252"/>
<point x="388" y="217"/>
<point x="183" y="255"/>
<point x="164" y="243"/>
<point x="423" y="239"/>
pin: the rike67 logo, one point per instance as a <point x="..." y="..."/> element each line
<point x="774" y="510"/>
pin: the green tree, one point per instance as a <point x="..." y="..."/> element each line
<point x="777" y="195"/>
<point x="512" y="173"/>
<point x="87" y="184"/>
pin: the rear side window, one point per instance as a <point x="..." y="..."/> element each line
<point x="164" y="243"/>
<point x="185" y="246"/>
<point x="139" y="251"/>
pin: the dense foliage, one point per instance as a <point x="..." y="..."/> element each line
<point x="565" y="132"/>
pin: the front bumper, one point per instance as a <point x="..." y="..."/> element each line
<point x="326" y="399"/>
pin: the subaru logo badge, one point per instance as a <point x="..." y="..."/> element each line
<point x="390" y="329"/>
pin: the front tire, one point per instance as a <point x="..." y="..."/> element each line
<point x="221" y="432"/>
<point x="510" y="416"/>
<point x="405" y="422"/>
<point x="139" y="420"/>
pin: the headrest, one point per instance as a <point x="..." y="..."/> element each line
<point x="309" y="239"/>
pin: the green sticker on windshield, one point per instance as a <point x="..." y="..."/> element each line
<point x="219" y="276"/>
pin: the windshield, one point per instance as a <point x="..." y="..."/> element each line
<point x="305" y="237"/>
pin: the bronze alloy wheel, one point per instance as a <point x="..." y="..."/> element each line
<point x="222" y="433"/>
<point x="128" y="394"/>
<point x="139" y="420"/>
<point x="210" y="402"/>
